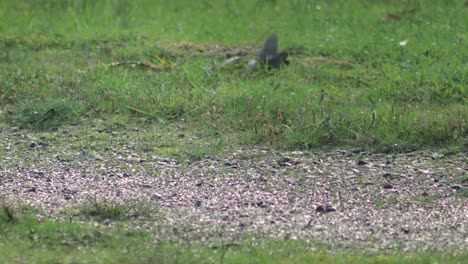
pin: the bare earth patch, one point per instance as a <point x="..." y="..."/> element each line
<point x="344" y="199"/>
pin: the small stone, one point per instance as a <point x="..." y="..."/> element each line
<point x="357" y="150"/>
<point x="320" y="209"/>
<point x="361" y="162"/>
<point x="33" y="189"/>
<point x="260" y="204"/>
<point x="37" y="173"/>
<point x="220" y="216"/>
<point x="324" y="210"/>
<point x="32" y="144"/>
<point x="329" y="209"/>
<point x="197" y="204"/>
<point x="285" y="161"/>
<point x="155" y="197"/>
<point x="405" y="230"/>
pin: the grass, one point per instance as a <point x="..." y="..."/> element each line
<point x="25" y="239"/>
<point x="43" y="114"/>
<point x="114" y="211"/>
<point x="350" y="82"/>
<point x="354" y="80"/>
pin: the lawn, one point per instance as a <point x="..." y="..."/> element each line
<point x="142" y="78"/>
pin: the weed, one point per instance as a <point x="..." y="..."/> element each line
<point x="461" y="178"/>
<point x="6" y="215"/>
<point x="424" y="199"/>
<point x="114" y="211"/>
<point x="46" y="114"/>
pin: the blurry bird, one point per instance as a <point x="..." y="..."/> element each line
<point x="269" y="55"/>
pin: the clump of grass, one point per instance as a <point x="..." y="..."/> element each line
<point x="185" y="149"/>
<point x="10" y="214"/>
<point x="114" y="211"/>
<point x="462" y="192"/>
<point x="427" y="200"/>
<point x="6" y="215"/>
<point x="43" y="114"/>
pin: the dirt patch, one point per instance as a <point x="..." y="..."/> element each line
<point x="300" y="55"/>
<point x="345" y="199"/>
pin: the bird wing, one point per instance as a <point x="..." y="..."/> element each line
<point x="269" y="50"/>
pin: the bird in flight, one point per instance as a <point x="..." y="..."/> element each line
<point x="269" y="55"/>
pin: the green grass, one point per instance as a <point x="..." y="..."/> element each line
<point x="25" y="239"/>
<point x="366" y="89"/>
<point x="114" y="211"/>
<point x="44" y="114"/>
<point x="350" y="83"/>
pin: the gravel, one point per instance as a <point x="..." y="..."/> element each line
<point x="344" y="199"/>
